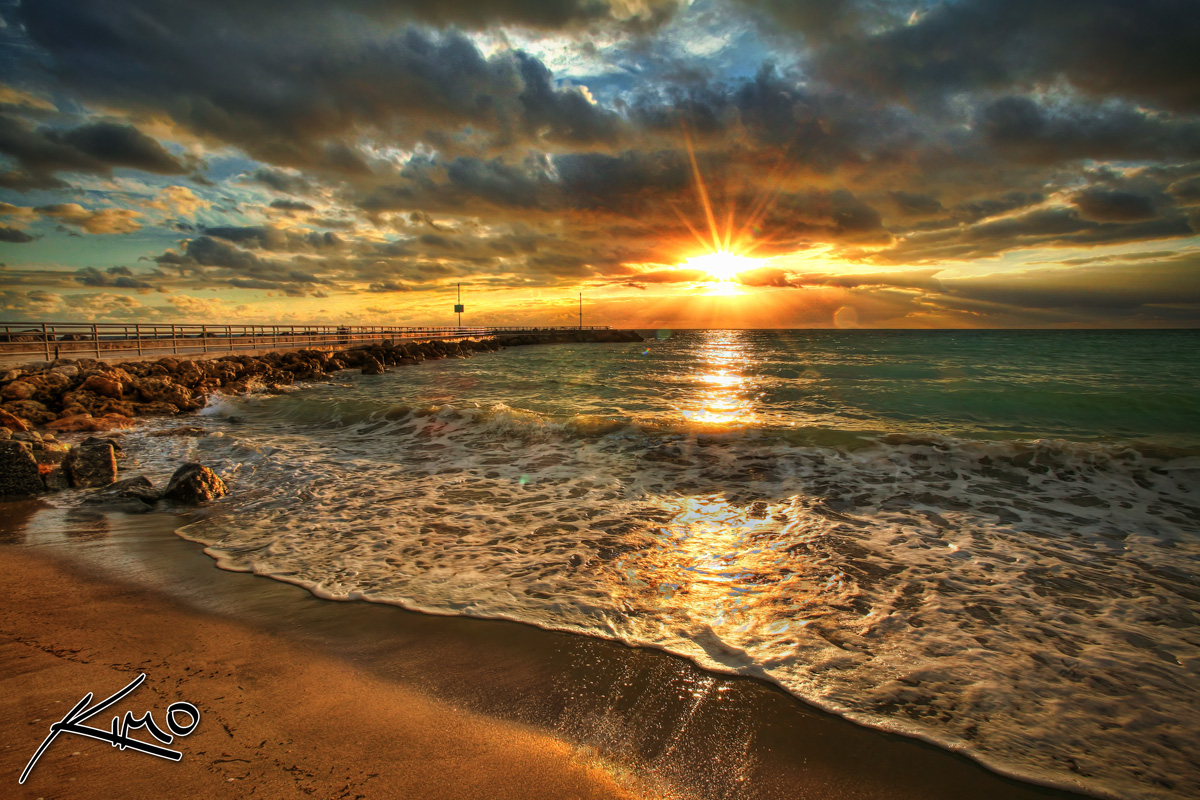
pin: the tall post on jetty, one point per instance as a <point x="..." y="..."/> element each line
<point x="581" y="311"/>
<point x="458" y="307"/>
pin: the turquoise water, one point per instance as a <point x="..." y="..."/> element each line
<point x="989" y="540"/>
<point x="1114" y="386"/>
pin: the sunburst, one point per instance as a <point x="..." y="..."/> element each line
<point x="728" y="250"/>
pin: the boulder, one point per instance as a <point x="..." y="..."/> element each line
<point x="54" y="477"/>
<point x="139" y="487"/>
<point x="165" y="390"/>
<point x="373" y="367"/>
<point x="18" y="390"/>
<point x="12" y="422"/>
<point x="69" y="370"/>
<point x="31" y="411"/>
<point x="19" y="469"/>
<point x="92" y="463"/>
<point x="104" y="385"/>
<point x="193" y="484"/>
<point x="132" y="495"/>
<point x="85" y="422"/>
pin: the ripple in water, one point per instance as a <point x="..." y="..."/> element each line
<point x="1030" y="603"/>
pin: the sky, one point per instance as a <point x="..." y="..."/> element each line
<point x="713" y="163"/>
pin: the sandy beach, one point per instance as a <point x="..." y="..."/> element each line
<point x="275" y="720"/>
<point x="301" y="697"/>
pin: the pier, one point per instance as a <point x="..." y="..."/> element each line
<point x="23" y="342"/>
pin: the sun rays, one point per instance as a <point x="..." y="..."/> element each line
<point x="728" y="246"/>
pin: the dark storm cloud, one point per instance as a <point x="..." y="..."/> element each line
<point x="622" y="183"/>
<point x="922" y="279"/>
<point x="291" y="205"/>
<point x="782" y="115"/>
<point x="121" y="146"/>
<point x="568" y="115"/>
<point x="595" y="180"/>
<point x="259" y="237"/>
<point x="499" y="183"/>
<point x="116" y="277"/>
<point x="1024" y="129"/>
<point x="464" y="13"/>
<point x="801" y="218"/>
<point x="1186" y="191"/>
<point x="1041" y="227"/>
<point x="206" y="251"/>
<point x="1119" y="287"/>
<point x="388" y="286"/>
<point x="1113" y="205"/>
<point x="280" y="181"/>
<point x="94" y="148"/>
<point x="915" y="204"/>
<point x="321" y="74"/>
<point x="14" y="235"/>
<point x="1144" y="51"/>
<point x="214" y="259"/>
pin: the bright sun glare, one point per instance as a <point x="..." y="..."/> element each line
<point x="723" y="266"/>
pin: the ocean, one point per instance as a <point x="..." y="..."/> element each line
<point x="989" y="540"/>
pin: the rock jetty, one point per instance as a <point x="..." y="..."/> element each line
<point x="42" y="399"/>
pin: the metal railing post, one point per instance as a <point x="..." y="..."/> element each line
<point x="204" y="337"/>
<point x="96" y="340"/>
<point x="46" y="341"/>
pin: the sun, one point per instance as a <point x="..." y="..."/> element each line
<point x="723" y="265"/>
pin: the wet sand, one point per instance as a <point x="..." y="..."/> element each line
<point x="301" y="697"/>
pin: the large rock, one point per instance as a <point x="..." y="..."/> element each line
<point x="12" y="422"/>
<point x="104" y="385"/>
<point x="164" y="390"/>
<point x="92" y="463"/>
<point x="87" y="423"/>
<point x="132" y="495"/>
<point x="19" y="469"/>
<point x="193" y="484"/>
<point x="30" y="411"/>
<point x="19" y="390"/>
<point x="140" y="487"/>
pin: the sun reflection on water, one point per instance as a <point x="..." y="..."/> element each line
<point x="723" y="394"/>
<point x="729" y="575"/>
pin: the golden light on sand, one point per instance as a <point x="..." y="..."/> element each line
<point x="723" y="265"/>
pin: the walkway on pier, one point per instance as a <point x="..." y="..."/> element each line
<point x="23" y="342"/>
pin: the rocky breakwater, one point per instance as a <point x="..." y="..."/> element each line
<point x="42" y="399"/>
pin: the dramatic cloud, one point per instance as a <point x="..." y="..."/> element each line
<point x="92" y="148"/>
<point x="14" y="235"/>
<point x="973" y="162"/>
<point x="1144" y="51"/>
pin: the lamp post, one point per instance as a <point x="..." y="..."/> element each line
<point x="581" y="311"/>
<point x="458" y="307"/>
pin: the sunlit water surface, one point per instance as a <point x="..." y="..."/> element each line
<point x="988" y="540"/>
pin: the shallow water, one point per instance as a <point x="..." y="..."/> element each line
<point x="987" y="540"/>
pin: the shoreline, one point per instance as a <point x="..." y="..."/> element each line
<point x="584" y="701"/>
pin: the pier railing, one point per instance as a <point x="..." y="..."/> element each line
<point x="21" y="342"/>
